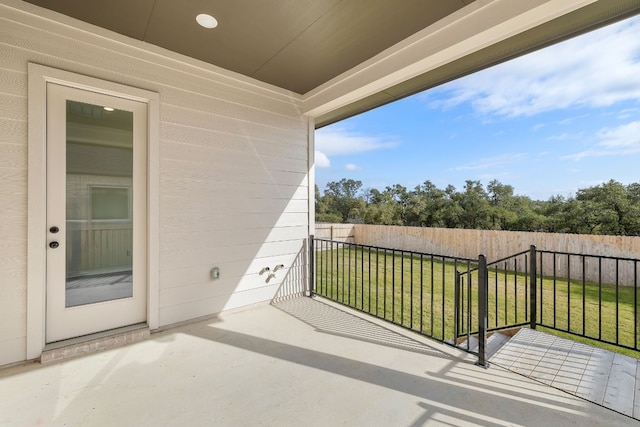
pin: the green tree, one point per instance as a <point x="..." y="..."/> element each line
<point x="342" y="198"/>
<point x="382" y="208"/>
<point x="607" y="207"/>
<point x="503" y="204"/>
<point x="475" y="205"/>
<point x="324" y="207"/>
<point x="452" y="209"/>
<point x="426" y="206"/>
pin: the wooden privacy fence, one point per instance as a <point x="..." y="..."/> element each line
<point x="496" y="244"/>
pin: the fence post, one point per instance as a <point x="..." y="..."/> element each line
<point x="483" y="290"/>
<point x="312" y="265"/>
<point x="533" y="289"/>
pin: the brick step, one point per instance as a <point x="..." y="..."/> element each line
<point x="94" y="343"/>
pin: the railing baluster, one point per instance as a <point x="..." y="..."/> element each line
<point x="533" y="283"/>
<point x="635" y="305"/>
<point x="483" y="286"/>
<point x="323" y="246"/>
<point x="312" y="257"/>
<point x="411" y="293"/>
<point x="369" y="275"/>
<point x="432" y="297"/>
<point x="461" y="304"/>
<point x="384" y="290"/>
<point x="377" y="277"/>
<point x="349" y="281"/>
<point x="506" y="309"/>
<point x="555" y="296"/>
<point x="342" y="274"/>
<point x="402" y="288"/>
<point x="600" y="298"/>
<point x="444" y="296"/>
<point x="421" y="292"/>
<point x="393" y="285"/>
<point x="334" y="275"/>
<point x="362" y="278"/>
<point x="569" y="292"/>
<point x="355" y="276"/>
<point x="617" y="303"/>
<point x="584" y="290"/>
<point x="515" y="286"/>
<point x="497" y="299"/>
<point x="470" y="311"/>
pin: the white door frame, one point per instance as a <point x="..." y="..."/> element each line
<point x="39" y="76"/>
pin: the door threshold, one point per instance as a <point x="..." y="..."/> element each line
<point x="93" y="343"/>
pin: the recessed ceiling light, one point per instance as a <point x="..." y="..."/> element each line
<point x="206" y="20"/>
<point x="108" y="109"/>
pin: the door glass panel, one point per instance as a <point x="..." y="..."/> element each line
<point x="99" y="213"/>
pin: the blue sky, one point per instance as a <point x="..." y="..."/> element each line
<point x="549" y="123"/>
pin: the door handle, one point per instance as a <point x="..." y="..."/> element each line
<point x="54" y="245"/>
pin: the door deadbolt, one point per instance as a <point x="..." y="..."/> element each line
<point x="54" y="245"/>
<point x="54" y="229"/>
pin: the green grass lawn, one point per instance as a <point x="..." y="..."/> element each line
<point x="419" y="293"/>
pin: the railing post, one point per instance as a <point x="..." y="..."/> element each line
<point x="456" y="308"/>
<point x="533" y="288"/>
<point x="483" y="290"/>
<point x="312" y="265"/>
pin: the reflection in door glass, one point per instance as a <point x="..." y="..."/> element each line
<point x="99" y="193"/>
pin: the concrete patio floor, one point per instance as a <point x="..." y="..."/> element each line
<point x="300" y="362"/>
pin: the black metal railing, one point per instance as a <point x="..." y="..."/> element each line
<point x="508" y="295"/>
<point x="590" y="296"/>
<point x="411" y="289"/>
<point x="454" y="299"/>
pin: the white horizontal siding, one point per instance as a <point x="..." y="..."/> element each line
<point x="13" y="220"/>
<point x="173" y="314"/>
<point x="233" y="162"/>
<point x="12" y="350"/>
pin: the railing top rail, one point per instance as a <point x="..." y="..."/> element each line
<point x="588" y="255"/>
<point x="508" y="258"/>
<point x="403" y="251"/>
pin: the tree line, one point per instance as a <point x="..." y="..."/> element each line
<point x="610" y="208"/>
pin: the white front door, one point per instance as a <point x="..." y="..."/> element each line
<point x="96" y="212"/>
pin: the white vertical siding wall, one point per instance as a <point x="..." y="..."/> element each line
<point x="233" y="167"/>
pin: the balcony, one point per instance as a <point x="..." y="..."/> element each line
<point x="303" y="361"/>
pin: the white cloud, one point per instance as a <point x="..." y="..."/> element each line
<point x="492" y="162"/>
<point x="623" y="137"/>
<point x="352" y="167"/>
<point x="565" y="136"/>
<point x="322" y="161"/>
<point x="618" y="141"/>
<point x="595" y="70"/>
<point x="338" y="141"/>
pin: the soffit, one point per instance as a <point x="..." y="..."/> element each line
<point x="580" y="21"/>
<point x="293" y="44"/>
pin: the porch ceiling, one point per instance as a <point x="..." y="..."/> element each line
<point x="293" y="44"/>
<point x="306" y="46"/>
